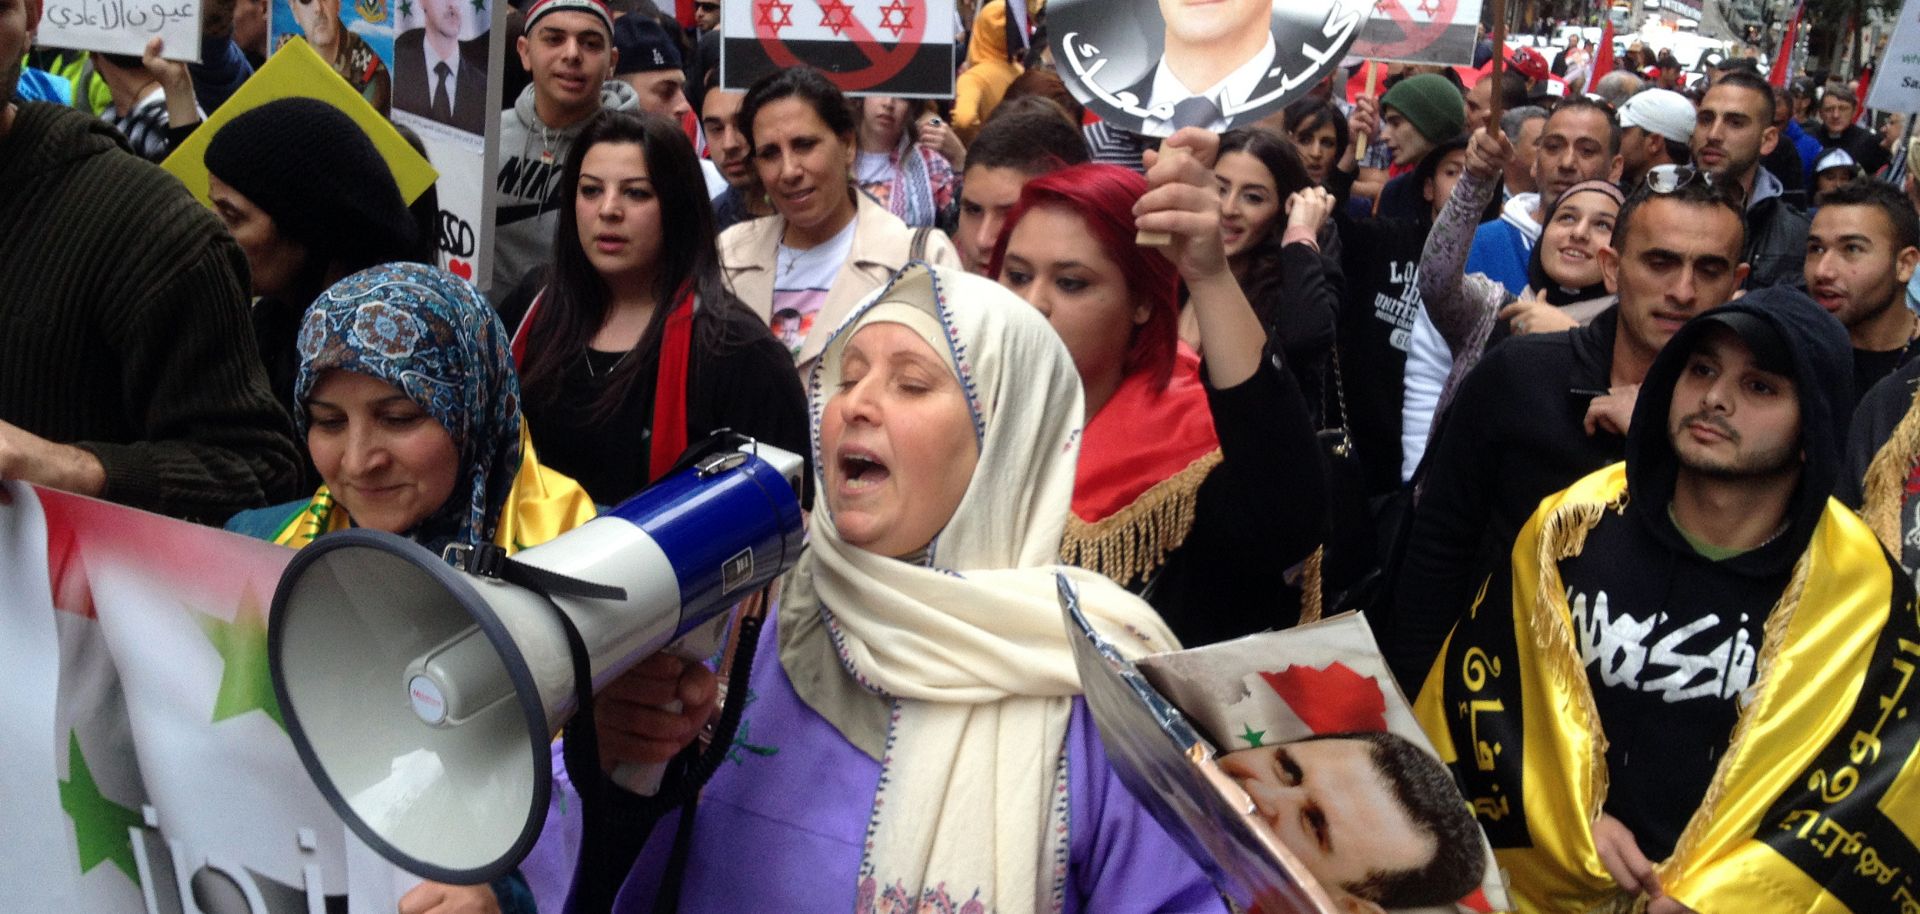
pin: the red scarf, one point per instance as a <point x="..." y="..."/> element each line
<point x="1142" y="460"/>
<point x="669" y="439"/>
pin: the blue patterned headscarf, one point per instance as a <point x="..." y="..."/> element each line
<point x="434" y="337"/>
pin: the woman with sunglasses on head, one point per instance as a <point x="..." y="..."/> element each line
<point x="634" y="347"/>
<point x="915" y="737"/>
<point x="1565" y="288"/>
<point x="1199" y="482"/>
<point x="410" y="409"/>
<point x="913" y="182"/>
<point x="827" y="245"/>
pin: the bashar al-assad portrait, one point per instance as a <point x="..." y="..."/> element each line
<point x="439" y="76"/>
<point x="1154" y="66"/>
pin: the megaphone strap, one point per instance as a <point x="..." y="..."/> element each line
<point x="490" y="561"/>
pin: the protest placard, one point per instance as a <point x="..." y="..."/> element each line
<point x="1216" y="741"/>
<point x="902" y="48"/>
<point x="294" y="71"/>
<point x="1218" y="66"/>
<point x="1896" y="85"/>
<point x="1420" y="31"/>
<point x="122" y="26"/>
<point x="147" y="766"/>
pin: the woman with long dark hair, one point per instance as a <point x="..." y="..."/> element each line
<point x="635" y="346"/>
<point x="1319" y="132"/>
<point x="1271" y="213"/>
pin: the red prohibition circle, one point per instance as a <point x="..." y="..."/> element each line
<point x="1415" y="35"/>
<point x="883" y="64"/>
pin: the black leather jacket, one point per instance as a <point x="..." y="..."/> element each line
<point x="1776" y="236"/>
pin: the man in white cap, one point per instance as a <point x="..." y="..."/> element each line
<point x="1835" y="168"/>
<point x="568" y="47"/>
<point x="1655" y="127"/>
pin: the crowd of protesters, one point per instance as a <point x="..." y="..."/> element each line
<point x="1395" y="333"/>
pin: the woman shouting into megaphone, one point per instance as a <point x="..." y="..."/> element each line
<point x="916" y="736"/>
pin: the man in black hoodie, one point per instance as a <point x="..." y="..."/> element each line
<point x="1699" y="587"/>
<point x="1541" y="410"/>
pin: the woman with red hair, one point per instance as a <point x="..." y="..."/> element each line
<point x="1198" y="482"/>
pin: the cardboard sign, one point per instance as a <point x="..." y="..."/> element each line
<point x="1896" y="85"/>
<point x="1219" y="65"/>
<point x="295" y="71"/>
<point x="902" y="48"/>
<point x="122" y="26"/>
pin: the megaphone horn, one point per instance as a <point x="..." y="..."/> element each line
<point x="422" y="697"/>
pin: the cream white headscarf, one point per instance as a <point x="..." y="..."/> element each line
<point x="970" y="648"/>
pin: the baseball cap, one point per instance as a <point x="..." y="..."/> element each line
<point x="1530" y="63"/>
<point x="1770" y="350"/>
<point x="1661" y="111"/>
<point x="644" y="46"/>
<point x="1836" y="158"/>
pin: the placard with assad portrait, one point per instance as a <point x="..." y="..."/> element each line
<point x="1153" y="66"/>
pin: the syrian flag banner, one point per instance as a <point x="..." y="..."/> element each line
<point x="1420" y="31"/>
<point x="144" y="762"/>
<point x="902" y="48"/>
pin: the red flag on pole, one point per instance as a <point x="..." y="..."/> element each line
<point x="1602" y="57"/>
<point x="1860" y="95"/>
<point x="1783" y="59"/>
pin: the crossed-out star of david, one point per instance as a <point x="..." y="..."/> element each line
<point x="775" y="15"/>
<point x="896" y="17"/>
<point x="836" y="15"/>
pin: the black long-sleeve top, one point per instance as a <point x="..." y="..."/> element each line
<point x="1262" y="510"/>
<point x="1514" y="435"/>
<point x="750" y="387"/>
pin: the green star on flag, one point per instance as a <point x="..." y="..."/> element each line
<point x="406" y="9"/>
<point x="245" y="684"/>
<point x="1253" y="737"/>
<point x="99" y="825"/>
<point x="479" y="6"/>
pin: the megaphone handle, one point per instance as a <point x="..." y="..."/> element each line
<point x="644" y="778"/>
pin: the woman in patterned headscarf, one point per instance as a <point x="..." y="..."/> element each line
<point x="411" y="412"/>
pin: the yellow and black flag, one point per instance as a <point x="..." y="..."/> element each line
<point x="1815" y="807"/>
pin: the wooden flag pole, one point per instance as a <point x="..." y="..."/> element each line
<point x="1499" y="63"/>
<point x="1148" y="239"/>
<point x="1373" y="77"/>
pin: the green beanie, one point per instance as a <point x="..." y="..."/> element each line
<point x="1431" y="104"/>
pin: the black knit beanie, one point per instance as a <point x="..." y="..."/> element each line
<point x="309" y="167"/>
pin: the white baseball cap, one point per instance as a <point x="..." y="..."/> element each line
<point x="1661" y="111"/>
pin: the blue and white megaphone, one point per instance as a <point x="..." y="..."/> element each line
<point x="423" y="697"/>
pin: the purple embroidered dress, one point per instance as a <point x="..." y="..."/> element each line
<point x="782" y="822"/>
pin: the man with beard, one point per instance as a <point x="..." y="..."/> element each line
<point x="1861" y="250"/>
<point x="1704" y="634"/>
<point x="139" y="383"/>
<point x="1733" y="129"/>
<point x="1540" y="411"/>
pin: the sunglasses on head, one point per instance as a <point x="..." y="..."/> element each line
<point x="1666" y="179"/>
